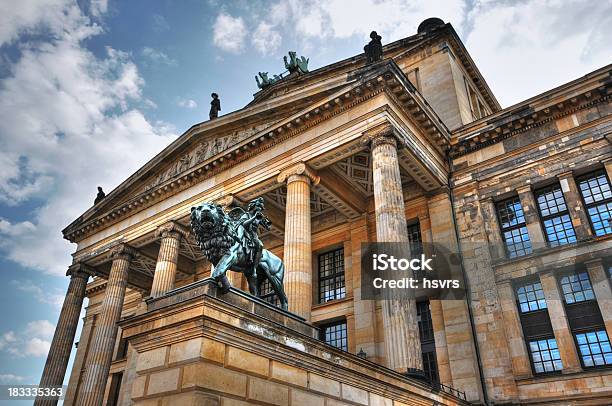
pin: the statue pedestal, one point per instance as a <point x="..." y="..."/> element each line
<point x="196" y="346"/>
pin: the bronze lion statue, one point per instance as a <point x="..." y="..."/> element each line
<point x="229" y="241"/>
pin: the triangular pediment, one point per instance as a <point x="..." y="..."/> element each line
<point x="211" y="147"/>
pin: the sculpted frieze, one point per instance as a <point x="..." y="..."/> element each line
<point x="204" y="150"/>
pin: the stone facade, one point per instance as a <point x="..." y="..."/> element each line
<point x="414" y="147"/>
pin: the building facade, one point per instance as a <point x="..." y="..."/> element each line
<point x="415" y="148"/>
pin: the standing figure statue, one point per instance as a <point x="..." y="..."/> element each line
<point x="230" y="241"/>
<point x="215" y="106"/>
<point x="100" y="196"/>
<point x="374" y="49"/>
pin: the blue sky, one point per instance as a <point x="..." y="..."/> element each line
<point x="90" y="90"/>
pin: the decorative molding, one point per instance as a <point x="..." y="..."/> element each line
<point x="497" y="129"/>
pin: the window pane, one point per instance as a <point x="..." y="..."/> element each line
<point x="595" y="190"/>
<point x="533" y="299"/>
<point x="545" y="355"/>
<point x="594" y="348"/>
<point x="334" y="334"/>
<point x="577" y="287"/>
<point x="331" y="276"/>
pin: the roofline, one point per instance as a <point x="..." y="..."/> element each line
<point x="548" y="94"/>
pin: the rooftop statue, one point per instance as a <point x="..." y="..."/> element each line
<point x="265" y="80"/>
<point x="100" y="196"/>
<point x="374" y="49"/>
<point x="296" y="64"/>
<point x="230" y="241"/>
<point x="215" y="106"/>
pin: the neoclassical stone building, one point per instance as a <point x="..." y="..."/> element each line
<point x="411" y="148"/>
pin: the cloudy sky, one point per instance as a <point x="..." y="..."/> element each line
<point x="90" y="90"/>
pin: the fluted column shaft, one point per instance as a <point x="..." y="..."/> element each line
<point x="298" y="245"/>
<point x="63" y="338"/>
<point x="167" y="259"/>
<point x="402" y="342"/>
<point x="105" y="335"/>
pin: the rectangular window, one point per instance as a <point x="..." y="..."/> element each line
<point x="597" y="196"/>
<point x="594" y="348"/>
<point x="115" y="389"/>
<point x="331" y="276"/>
<point x="335" y="334"/>
<point x="530" y="297"/>
<point x="266" y="292"/>
<point x="545" y="356"/>
<point x="414" y="238"/>
<point x="555" y="216"/>
<point x="513" y="228"/>
<point x="537" y="328"/>
<point x="428" y="344"/>
<point x="577" y="287"/>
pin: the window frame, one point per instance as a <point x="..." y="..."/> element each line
<point x="559" y="214"/>
<point x="334" y="323"/>
<point x="523" y="284"/>
<point x="588" y="206"/>
<point x="579" y="351"/>
<point x="334" y="275"/>
<point x="512" y="228"/>
<point x="533" y="362"/>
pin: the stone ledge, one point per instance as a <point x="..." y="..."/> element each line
<point x="220" y="346"/>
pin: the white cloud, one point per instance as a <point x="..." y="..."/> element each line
<point x="40" y="328"/>
<point x="7" y="339"/>
<point x="187" y="103"/>
<point x="229" y="33"/>
<point x="34" y="340"/>
<point x="10" y="378"/>
<point x="67" y="125"/>
<point x="157" y="57"/>
<point x="265" y="39"/>
<point x="36" y="347"/>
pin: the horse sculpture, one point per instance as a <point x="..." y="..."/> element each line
<point x="229" y="241"/>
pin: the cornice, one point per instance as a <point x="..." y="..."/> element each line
<point x="585" y="92"/>
<point x="386" y="77"/>
<point x="525" y="118"/>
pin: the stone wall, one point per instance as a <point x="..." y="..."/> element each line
<point x="198" y="347"/>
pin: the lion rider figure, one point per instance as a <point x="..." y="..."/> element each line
<point x="248" y="234"/>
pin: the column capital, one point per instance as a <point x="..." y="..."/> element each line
<point x="172" y="229"/>
<point x="80" y="270"/>
<point x="299" y="171"/>
<point x="381" y="134"/>
<point x="123" y="251"/>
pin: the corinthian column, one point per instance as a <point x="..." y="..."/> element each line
<point x="402" y="343"/>
<point x="63" y="338"/>
<point x="167" y="259"/>
<point x="103" y="342"/>
<point x="297" y="251"/>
